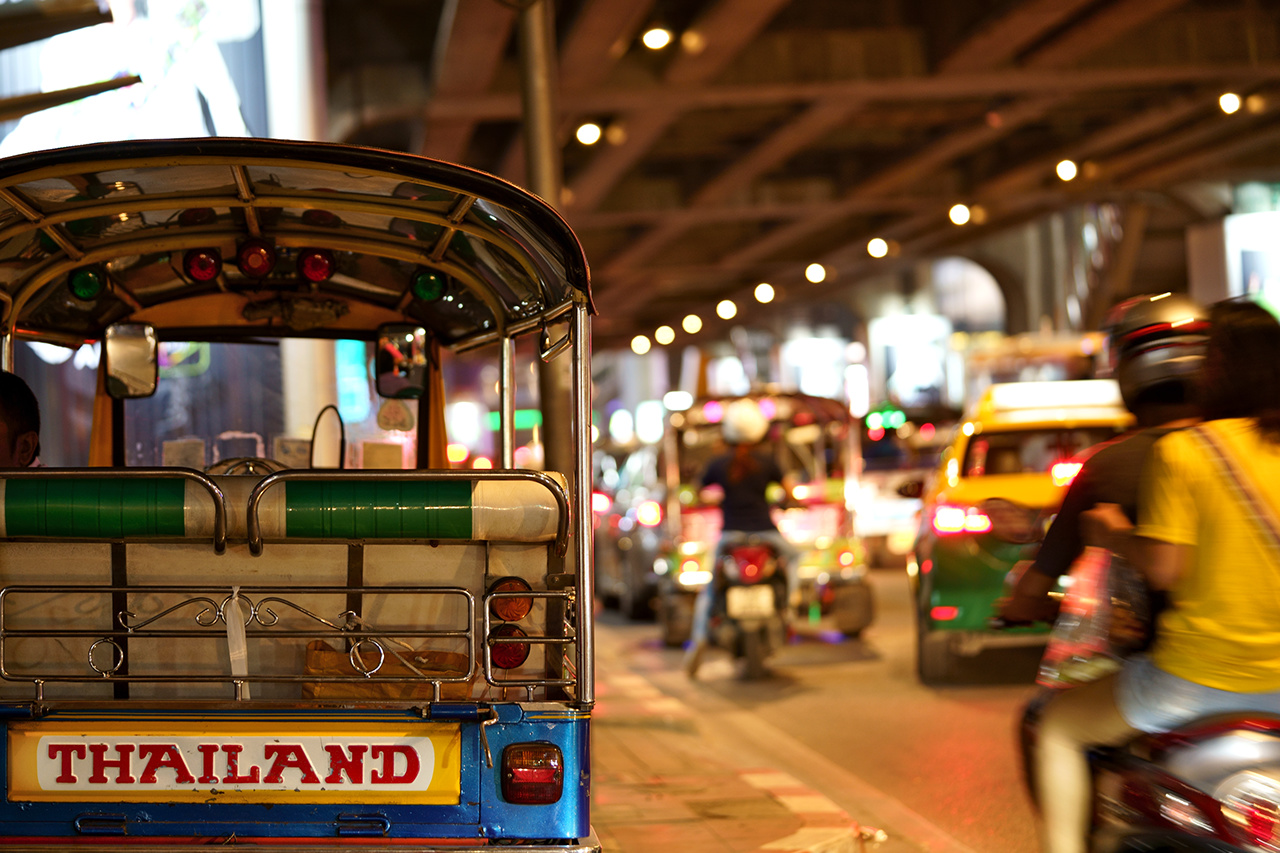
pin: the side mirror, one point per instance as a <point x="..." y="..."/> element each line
<point x="133" y="364"/>
<point x="911" y="489"/>
<point x="401" y="361"/>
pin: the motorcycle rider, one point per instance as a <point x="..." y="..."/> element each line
<point x="1156" y="365"/>
<point x="740" y="480"/>
<point x="1155" y="349"/>
<point x="1216" y="647"/>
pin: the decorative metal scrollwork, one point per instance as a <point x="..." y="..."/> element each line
<point x="357" y="663"/>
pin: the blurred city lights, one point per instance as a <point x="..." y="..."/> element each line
<point x="677" y="401"/>
<point x="1229" y="102"/>
<point x="877" y="247"/>
<point x="726" y="310"/>
<point x="640" y="345"/>
<point x="1067" y="170"/>
<point x="457" y="453"/>
<point x="713" y="411"/>
<point x="816" y="273"/>
<point x="664" y="335"/>
<point x="589" y="133"/>
<point x="692" y="324"/>
<point x="482" y="462"/>
<point x="959" y="214"/>
<point x="656" y="38"/>
<point x="764" y="292"/>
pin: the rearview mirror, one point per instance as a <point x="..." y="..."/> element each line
<point x="401" y="361"/>
<point x="133" y="365"/>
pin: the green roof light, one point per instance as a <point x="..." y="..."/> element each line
<point x="87" y="283"/>
<point x="427" y="286"/>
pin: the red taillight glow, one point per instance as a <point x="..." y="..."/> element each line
<point x="949" y="520"/>
<point x="649" y="513"/>
<point x="507" y="654"/>
<point x="510" y="609"/>
<point x="532" y="773"/>
<point x="600" y="503"/>
<point x="944" y="613"/>
<point x="256" y="258"/>
<point x="1064" y="472"/>
<point x="202" y="264"/>
<point x="316" y="265"/>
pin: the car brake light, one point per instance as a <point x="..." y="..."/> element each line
<point x="949" y="520"/>
<point x="510" y="608"/>
<point x="532" y="773"/>
<point x="944" y="613"/>
<point x="1064" y="472"/>
<point x="649" y="513"/>
<point x="504" y="650"/>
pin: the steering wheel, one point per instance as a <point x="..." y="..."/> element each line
<point x="253" y="465"/>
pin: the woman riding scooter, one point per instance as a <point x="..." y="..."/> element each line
<point x="740" y="479"/>
<point x="1201" y="537"/>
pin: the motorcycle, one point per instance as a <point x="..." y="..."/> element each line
<point x="1210" y="786"/>
<point x="749" y="616"/>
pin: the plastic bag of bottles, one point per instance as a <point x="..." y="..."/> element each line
<point x="1105" y="616"/>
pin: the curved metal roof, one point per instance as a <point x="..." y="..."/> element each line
<point x="490" y="258"/>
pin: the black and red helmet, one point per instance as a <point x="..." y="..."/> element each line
<point x="1154" y="340"/>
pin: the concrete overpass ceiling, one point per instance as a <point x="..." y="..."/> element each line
<point x="773" y="133"/>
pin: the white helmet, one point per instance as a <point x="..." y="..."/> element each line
<point x="743" y="423"/>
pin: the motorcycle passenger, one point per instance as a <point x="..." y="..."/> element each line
<point x="740" y="479"/>
<point x="1217" y="645"/>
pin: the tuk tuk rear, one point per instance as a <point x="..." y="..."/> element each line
<point x="204" y="638"/>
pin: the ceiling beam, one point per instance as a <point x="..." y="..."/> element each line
<point x="726" y="29"/>
<point x="600" y="36"/>
<point x="472" y="52"/>
<point x="977" y="86"/>
<point x="1003" y="39"/>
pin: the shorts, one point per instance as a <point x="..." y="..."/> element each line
<point x="1153" y="700"/>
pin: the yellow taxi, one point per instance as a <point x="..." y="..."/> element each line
<point x="996" y="486"/>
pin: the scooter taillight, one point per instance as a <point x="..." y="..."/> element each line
<point x="752" y="561"/>
<point x="1251" y="801"/>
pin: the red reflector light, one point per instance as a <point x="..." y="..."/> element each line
<point x="944" y="613"/>
<point x="256" y="258"/>
<point x="649" y="513"/>
<point x="202" y="264"/>
<point x="532" y="773"/>
<point x="510" y="608"/>
<point x="316" y="265"/>
<point x="948" y="520"/>
<point x="503" y="650"/>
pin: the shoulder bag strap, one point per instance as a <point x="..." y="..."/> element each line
<point x="1261" y="514"/>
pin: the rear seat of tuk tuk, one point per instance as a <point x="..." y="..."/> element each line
<point x="320" y="537"/>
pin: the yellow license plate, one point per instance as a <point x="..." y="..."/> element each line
<point x="260" y="762"/>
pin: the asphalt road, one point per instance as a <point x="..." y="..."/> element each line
<point x="936" y="768"/>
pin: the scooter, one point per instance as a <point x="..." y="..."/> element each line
<point x="1211" y="786"/>
<point x="749" y="617"/>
